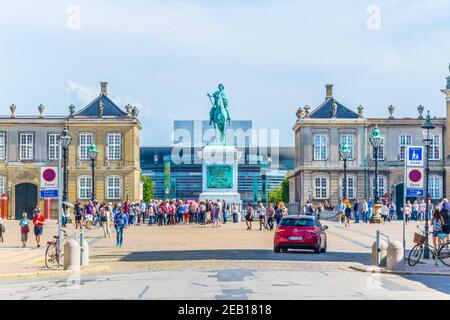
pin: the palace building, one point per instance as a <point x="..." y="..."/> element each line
<point x="319" y="132"/>
<point x="28" y="143"/>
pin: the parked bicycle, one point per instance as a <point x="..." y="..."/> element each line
<point x="54" y="255"/>
<point x="442" y="252"/>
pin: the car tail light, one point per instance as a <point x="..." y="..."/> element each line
<point x="279" y="230"/>
<point x="313" y="231"/>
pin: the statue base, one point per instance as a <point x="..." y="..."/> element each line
<point x="220" y="173"/>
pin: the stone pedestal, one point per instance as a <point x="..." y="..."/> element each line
<point x="376" y="213"/>
<point x="220" y="173"/>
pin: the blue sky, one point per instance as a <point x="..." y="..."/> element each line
<point x="273" y="57"/>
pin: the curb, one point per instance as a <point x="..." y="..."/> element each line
<point x="55" y="272"/>
<point x="381" y="270"/>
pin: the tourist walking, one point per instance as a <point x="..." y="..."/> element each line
<point x="365" y="211"/>
<point x="356" y="210"/>
<point x="249" y="216"/>
<point x="385" y="212"/>
<point x="262" y="216"/>
<point x="38" y="222"/>
<point x="270" y="216"/>
<point x="445" y="211"/>
<point x="141" y="208"/>
<point x="105" y="218"/>
<point x="217" y="210"/>
<point x="235" y="213"/>
<point x="24" y="224"/>
<point x="120" y="221"/>
<point x="78" y="214"/>
<point x="437" y="222"/>
<point x="348" y="215"/>
<point x="278" y="213"/>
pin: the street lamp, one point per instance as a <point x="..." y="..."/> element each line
<point x="64" y="140"/>
<point x="345" y="152"/>
<point x="376" y="139"/>
<point x="92" y="153"/>
<point x="427" y="129"/>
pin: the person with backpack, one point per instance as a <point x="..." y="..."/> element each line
<point x="437" y="223"/>
<point x="120" y="222"/>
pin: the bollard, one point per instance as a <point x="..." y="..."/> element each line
<point x="382" y="253"/>
<point x="85" y="253"/>
<point x="394" y="259"/>
<point x="72" y="255"/>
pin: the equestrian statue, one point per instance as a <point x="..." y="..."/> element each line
<point x="219" y="116"/>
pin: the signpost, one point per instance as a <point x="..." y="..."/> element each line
<point x="414" y="179"/>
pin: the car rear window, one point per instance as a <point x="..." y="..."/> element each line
<point x="297" y="222"/>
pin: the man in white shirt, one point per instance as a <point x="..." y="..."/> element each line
<point x="141" y="212"/>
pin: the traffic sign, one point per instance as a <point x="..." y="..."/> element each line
<point x="414" y="156"/>
<point x="49" y="177"/>
<point x="414" y="178"/>
<point x="414" y="193"/>
<point x="49" y="193"/>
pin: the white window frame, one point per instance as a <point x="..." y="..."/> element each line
<point x="85" y="190"/>
<point x="435" y="189"/>
<point x="321" y="191"/>
<point x="351" y="187"/>
<point x="381" y="186"/>
<point x="2" y="145"/>
<point x="114" y="146"/>
<point x="114" y="192"/>
<point x="2" y="185"/>
<point x="26" y="148"/>
<point x="404" y="141"/>
<point x="53" y="147"/>
<point x="85" y="139"/>
<point x="435" y="148"/>
<point x="344" y="138"/>
<point x="320" y="147"/>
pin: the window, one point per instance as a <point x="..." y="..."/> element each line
<point x="434" y="187"/>
<point x="114" y="146"/>
<point x="2" y="185"/>
<point x="85" y="187"/>
<point x="380" y="152"/>
<point x="2" y="146"/>
<point x="113" y="187"/>
<point x="26" y="146"/>
<point x="405" y="140"/>
<point x="320" y="147"/>
<point x="297" y="222"/>
<point x="435" y="148"/>
<point x="348" y="140"/>
<point x="320" y="187"/>
<point x="381" y="187"/>
<point x="86" y="139"/>
<point x="350" y="187"/>
<point x="53" y="146"/>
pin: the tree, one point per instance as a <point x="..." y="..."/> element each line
<point x="148" y="188"/>
<point x="280" y="193"/>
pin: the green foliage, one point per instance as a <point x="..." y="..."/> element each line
<point x="148" y="188"/>
<point x="280" y="193"/>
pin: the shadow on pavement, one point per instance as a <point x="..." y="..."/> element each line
<point x="184" y="255"/>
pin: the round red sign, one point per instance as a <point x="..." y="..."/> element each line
<point x="49" y="175"/>
<point x="415" y="175"/>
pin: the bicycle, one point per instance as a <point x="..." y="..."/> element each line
<point x="54" y="255"/>
<point x="442" y="253"/>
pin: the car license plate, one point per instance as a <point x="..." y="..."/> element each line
<point x="296" y="238"/>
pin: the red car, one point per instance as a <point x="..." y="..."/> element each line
<point x="300" y="232"/>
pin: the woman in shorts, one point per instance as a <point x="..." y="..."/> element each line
<point x="38" y="222"/>
<point x="249" y="216"/>
<point x="437" y="222"/>
<point x="24" y="224"/>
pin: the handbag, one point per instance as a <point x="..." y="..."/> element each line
<point x="25" y="229"/>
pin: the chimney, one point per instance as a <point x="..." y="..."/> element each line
<point x="104" y="88"/>
<point x="329" y="92"/>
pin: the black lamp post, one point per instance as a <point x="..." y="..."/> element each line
<point x="344" y="152"/>
<point x="92" y="153"/>
<point x="64" y="140"/>
<point x="427" y="129"/>
<point x="376" y="139"/>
